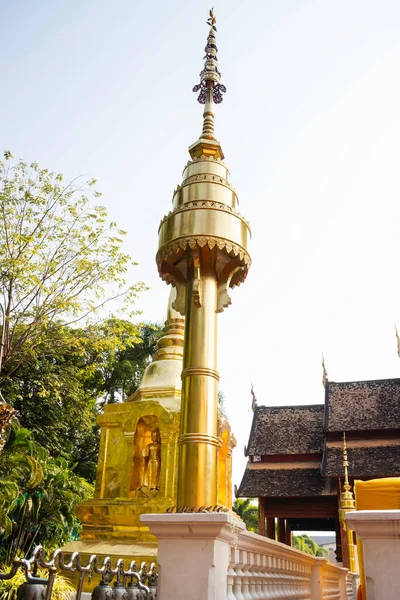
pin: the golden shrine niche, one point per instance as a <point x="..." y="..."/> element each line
<point x="137" y="468"/>
<point x="146" y="464"/>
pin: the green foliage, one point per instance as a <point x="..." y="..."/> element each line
<point x="38" y="498"/>
<point x="123" y="371"/>
<point x="244" y="508"/>
<point x="99" y="363"/>
<point x="306" y="544"/>
<point x="60" y="261"/>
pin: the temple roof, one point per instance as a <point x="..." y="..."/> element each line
<point x="362" y="405"/>
<point x="369" y="459"/>
<point x="286" y="430"/>
<point x="366" y="410"/>
<point x="288" y="482"/>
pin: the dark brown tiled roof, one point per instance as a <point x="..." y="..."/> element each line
<point x="286" y="430"/>
<point x="363" y="405"/>
<point x="284" y="483"/>
<point x="367" y="461"/>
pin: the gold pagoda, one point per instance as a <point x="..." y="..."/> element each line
<point x="167" y="447"/>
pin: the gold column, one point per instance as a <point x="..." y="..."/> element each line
<point x="198" y="441"/>
<point x="202" y="253"/>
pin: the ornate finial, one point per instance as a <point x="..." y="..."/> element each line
<point x="398" y="339"/>
<point x="254" y="401"/>
<point x="347" y="504"/>
<point x="210" y="86"/>
<point x="345" y="464"/>
<point x="346" y="497"/>
<point x="324" y="372"/>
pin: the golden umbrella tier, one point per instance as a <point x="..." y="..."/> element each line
<point x="204" y="215"/>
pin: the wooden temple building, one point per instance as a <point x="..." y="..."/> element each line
<point x="295" y="456"/>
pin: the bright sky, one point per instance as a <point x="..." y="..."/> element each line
<point x="310" y="127"/>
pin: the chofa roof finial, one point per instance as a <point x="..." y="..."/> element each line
<point x="324" y="372"/>
<point x="254" y="399"/>
<point x="398" y="339"/>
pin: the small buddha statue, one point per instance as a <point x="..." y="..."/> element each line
<point x="152" y="456"/>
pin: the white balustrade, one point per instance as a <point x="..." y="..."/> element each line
<point x="212" y="556"/>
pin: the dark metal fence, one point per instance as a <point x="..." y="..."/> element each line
<point x="115" y="584"/>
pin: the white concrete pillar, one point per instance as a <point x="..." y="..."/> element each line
<point x="379" y="531"/>
<point x="193" y="554"/>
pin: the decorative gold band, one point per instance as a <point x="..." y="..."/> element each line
<point x="198" y="438"/>
<point x="200" y="371"/>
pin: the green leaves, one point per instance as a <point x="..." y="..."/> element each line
<point x="37" y="498"/>
<point x="248" y="512"/>
<point x="61" y="261"/>
<point x="306" y="544"/>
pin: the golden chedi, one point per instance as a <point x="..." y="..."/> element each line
<point x="138" y="455"/>
<point x="202" y="253"/>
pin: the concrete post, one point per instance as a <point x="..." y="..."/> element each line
<point x="379" y="531"/>
<point x="193" y="554"/>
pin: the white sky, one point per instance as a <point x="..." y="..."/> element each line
<point x="310" y="127"/>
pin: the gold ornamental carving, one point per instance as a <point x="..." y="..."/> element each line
<point x="193" y="371"/>
<point x="175" y="246"/>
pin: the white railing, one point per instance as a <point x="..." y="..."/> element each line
<point x="211" y="556"/>
<point x="261" y="568"/>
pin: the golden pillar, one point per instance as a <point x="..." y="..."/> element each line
<point x="202" y="253"/>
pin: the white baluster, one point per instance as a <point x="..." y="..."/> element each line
<point x="229" y="584"/>
<point x="258" y="572"/>
<point x="237" y="584"/>
<point x="274" y="591"/>
<point x="252" y="581"/>
<point x="265" y="568"/>
<point x="246" y="576"/>
<point x="292" y="574"/>
<point x="279" y="578"/>
<point x="297" y="589"/>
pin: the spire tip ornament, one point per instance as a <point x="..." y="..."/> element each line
<point x="210" y="86"/>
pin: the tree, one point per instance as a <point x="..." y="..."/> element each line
<point x="58" y="397"/>
<point x="122" y="374"/>
<point x="306" y="544"/>
<point x="39" y="498"/>
<point x="248" y="512"/>
<point x="60" y="261"/>
<point x="221" y="404"/>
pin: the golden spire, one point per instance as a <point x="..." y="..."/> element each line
<point x="210" y="91"/>
<point x="203" y="253"/>
<point x="324" y="372"/>
<point x="347" y="504"/>
<point x="347" y="494"/>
